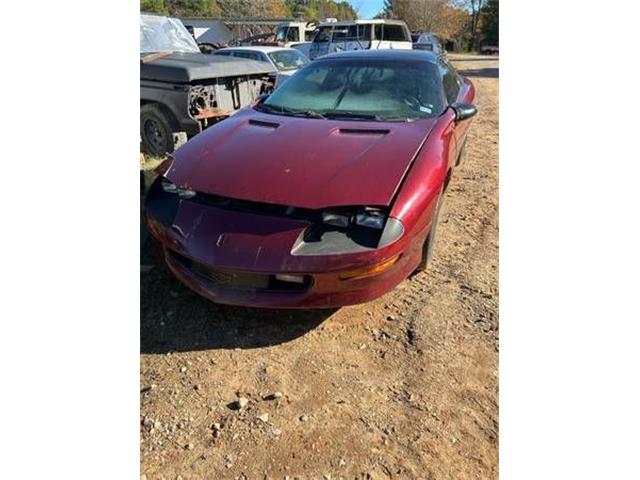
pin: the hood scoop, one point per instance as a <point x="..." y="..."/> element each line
<point x="263" y="124"/>
<point x="363" y="131"/>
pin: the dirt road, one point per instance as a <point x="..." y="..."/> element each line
<point x="402" y="387"/>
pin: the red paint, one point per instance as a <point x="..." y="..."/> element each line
<point x="307" y="163"/>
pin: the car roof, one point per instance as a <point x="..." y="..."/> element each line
<point x="265" y="49"/>
<point x="387" y="54"/>
<point x="344" y="23"/>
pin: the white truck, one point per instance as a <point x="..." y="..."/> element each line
<point x="289" y="34"/>
<point x="296" y="35"/>
<point x="360" y="35"/>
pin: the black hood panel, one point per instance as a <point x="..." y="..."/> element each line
<point x="189" y="67"/>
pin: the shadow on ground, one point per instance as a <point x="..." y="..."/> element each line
<point x="174" y="319"/>
<point x="482" y="72"/>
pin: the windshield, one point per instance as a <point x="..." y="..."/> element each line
<point x="287" y="34"/>
<point x="359" y="88"/>
<point x="323" y="35"/>
<point x="288" y="59"/>
<point x="162" y="34"/>
<point x="281" y="34"/>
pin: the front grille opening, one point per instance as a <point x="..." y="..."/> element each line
<point x="364" y="236"/>
<point x="258" y="208"/>
<point x="238" y="280"/>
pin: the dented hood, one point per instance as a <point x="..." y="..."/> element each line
<point x="301" y="162"/>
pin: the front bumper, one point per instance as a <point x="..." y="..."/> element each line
<point x="232" y="258"/>
<point x="326" y="291"/>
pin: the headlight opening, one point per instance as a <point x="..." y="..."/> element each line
<point x="169" y="187"/>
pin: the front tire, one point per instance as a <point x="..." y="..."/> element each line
<point x="429" y="243"/>
<point x="156" y="130"/>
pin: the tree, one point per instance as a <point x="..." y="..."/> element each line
<point x="316" y="10"/>
<point x="193" y="8"/>
<point x="153" y="6"/>
<point x="253" y="8"/>
<point x="442" y="17"/>
<point x="305" y="9"/>
<point x="489" y="23"/>
<point x="387" y="10"/>
<point x="346" y="11"/>
<point x="473" y="7"/>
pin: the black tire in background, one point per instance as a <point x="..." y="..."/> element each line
<point x="156" y="130"/>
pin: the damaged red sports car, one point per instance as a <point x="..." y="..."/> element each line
<point x="326" y="193"/>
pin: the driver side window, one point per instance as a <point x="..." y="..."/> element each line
<point x="449" y="82"/>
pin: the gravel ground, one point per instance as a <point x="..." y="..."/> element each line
<point x="402" y="387"/>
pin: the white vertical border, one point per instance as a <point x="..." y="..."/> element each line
<point x="569" y="201"/>
<point x="69" y="248"/>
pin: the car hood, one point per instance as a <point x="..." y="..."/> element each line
<point x="300" y="162"/>
<point x="180" y="67"/>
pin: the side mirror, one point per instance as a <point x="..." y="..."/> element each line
<point x="464" y="111"/>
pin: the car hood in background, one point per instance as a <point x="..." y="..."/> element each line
<point x="188" y="67"/>
<point x="300" y="162"/>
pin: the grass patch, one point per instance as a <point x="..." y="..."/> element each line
<point x="148" y="164"/>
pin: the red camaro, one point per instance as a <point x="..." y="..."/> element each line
<point x="325" y="193"/>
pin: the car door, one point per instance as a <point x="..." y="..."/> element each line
<point x="339" y="39"/>
<point x="321" y="42"/>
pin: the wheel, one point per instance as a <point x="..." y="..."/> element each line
<point x="429" y="243"/>
<point x="156" y="130"/>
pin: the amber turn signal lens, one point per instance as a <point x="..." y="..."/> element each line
<point x="369" y="271"/>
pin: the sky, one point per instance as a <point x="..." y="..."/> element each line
<point x="367" y="8"/>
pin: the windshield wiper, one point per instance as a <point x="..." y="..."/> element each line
<point x="397" y="118"/>
<point x="289" y="111"/>
<point x="368" y="116"/>
<point x="311" y="114"/>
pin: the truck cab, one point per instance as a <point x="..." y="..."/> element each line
<point x="378" y="34"/>
<point x="289" y="34"/>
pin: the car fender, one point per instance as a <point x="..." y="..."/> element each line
<point x="417" y="197"/>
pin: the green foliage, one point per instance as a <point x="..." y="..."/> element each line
<point x="489" y="22"/>
<point x="193" y="8"/>
<point x="311" y="10"/>
<point x="387" y="10"/>
<point x="316" y="10"/>
<point x="153" y="6"/>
